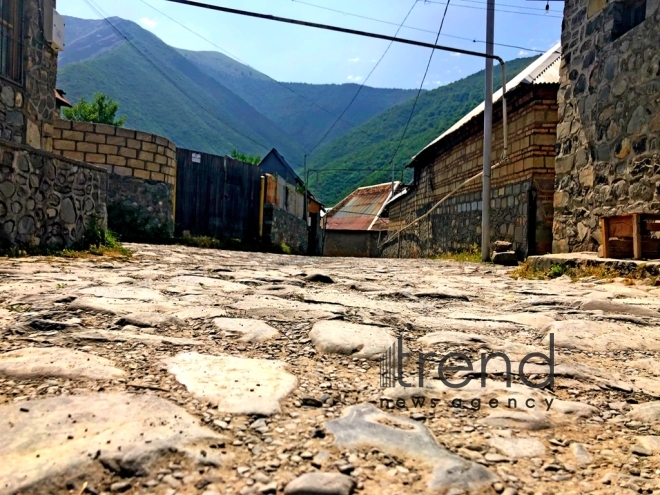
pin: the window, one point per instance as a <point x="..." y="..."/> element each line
<point x="11" y="63"/>
<point x="627" y="14"/>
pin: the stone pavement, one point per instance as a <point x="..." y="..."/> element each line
<point x="191" y="371"/>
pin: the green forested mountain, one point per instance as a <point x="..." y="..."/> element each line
<point x="371" y="145"/>
<point x="304" y="111"/>
<point x="207" y="100"/>
<point x="162" y="92"/>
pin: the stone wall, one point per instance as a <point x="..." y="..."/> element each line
<point x="142" y="181"/>
<point x="27" y="105"/>
<point x="47" y="201"/>
<point x="355" y="244"/>
<point x="608" y="155"/>
<point x="529" y="171"/>
<point x="281" y="226"/>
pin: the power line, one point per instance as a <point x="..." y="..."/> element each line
<point x="100" y="13"/>
<point x="412" y="110"/>
<point x="498" y="10"/>
<point x="355" y="126"/>
<point x="366" y="79"/>
<point x="417" y="28"/>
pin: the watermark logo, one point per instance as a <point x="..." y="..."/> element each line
<point x="391" y="373"/>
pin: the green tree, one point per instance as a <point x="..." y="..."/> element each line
<point x="102" y="110"/>
<point x="253" y="159"/>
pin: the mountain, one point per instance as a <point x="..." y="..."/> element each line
<point x="304" y="111"/>
<point x="372" y="145"/>
<point x="162" y="92"/>
<point x="293" y="116"/>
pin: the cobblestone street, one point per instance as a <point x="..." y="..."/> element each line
<point x="192" y="371"/>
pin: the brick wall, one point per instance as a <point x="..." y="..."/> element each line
<point x="532" y="121"/>
<point x="142" y="168"/>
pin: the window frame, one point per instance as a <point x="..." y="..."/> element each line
<point x="14" y="73"/>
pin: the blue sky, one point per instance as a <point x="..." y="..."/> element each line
<point x="300" y="54"/>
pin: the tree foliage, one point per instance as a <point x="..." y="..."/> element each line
<point x="241" y="157"/>
<point x="102" y="110"/>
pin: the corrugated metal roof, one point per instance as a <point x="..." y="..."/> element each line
<point x="543" y="70"/>
<point x="361" y="209"/>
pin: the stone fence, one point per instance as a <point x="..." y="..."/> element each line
<point x="142" y="168"/>
<point x="46" y="200"/>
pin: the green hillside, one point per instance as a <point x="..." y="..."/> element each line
<point x="305" y="118"/>
<point x="372" y="145"/>
<point x="187" y="106"/>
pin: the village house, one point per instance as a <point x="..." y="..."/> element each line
<point x="45" y="200"/>
<point x="608" y="136"/>
<point x="358" y="224"/>
<point x="522" y="188"/>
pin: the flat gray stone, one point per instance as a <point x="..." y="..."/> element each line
<point x="121" y="336"/>
<point x="364" y="425"/>
<point x="236" y="385"/>
<point x="534" y="320"/>
<point x="650" y="443"/>
<point x="341" y="337"/>
<point x="33" y="362"/>
<point x="454" y="338"/>
<point x="149" y="320"/>
<point x="581" y="454"/>
<point x="648" y="412"/>
<point x="320" y="484"/>
<point x="608" y="306"/>
<point x="209" y="282"/>
<point x="523" y="420"/>
<point x="517" y="448"/>
<point x="123" y="292"/>
<point x="278" y="308"/>
<point x="248" y="330"/>
<point x="601" y="336"/>
<point x="199" y="312"/>
<point x="65" y="434"/>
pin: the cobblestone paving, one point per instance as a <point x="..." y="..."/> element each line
<point x="191" y="371"/>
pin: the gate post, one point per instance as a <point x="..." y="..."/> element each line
<point x="261" y="206"/>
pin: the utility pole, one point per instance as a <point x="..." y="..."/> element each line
<point x="488" y="131"/>
<point x="305" y="207"/>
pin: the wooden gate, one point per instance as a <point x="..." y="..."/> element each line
<point x="217" y="196"/>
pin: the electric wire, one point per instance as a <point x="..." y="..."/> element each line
<point x="366" y="79"/>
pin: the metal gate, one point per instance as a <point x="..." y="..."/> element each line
<point x="217" y="196"/>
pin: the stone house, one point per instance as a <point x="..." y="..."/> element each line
<point x="608" y="136"/>
<point x="357" y="225"/>
<point x="45" y="200"/>
<point x="522" y="188"/>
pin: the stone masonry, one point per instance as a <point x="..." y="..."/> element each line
<point x="47" y="201"/>
<point x="529" y="173"/>
<point x="608" y="155"/>
<point x="27" y="106"/>
<point x="142" y="181"/>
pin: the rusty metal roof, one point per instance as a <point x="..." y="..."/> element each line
<point x="362" y="209"/>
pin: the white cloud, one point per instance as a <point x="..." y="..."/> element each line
<point x="148" y="23"/>
<point x="454" y="54"/>
<point x="353" y="60"/>
<point x="523" y="52"/>
<point x="354" y="78"/>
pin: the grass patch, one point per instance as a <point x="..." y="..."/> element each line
<point x="473" y="254"/>
<point x="601" y="272"/>
<point x="97" y="241"/>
